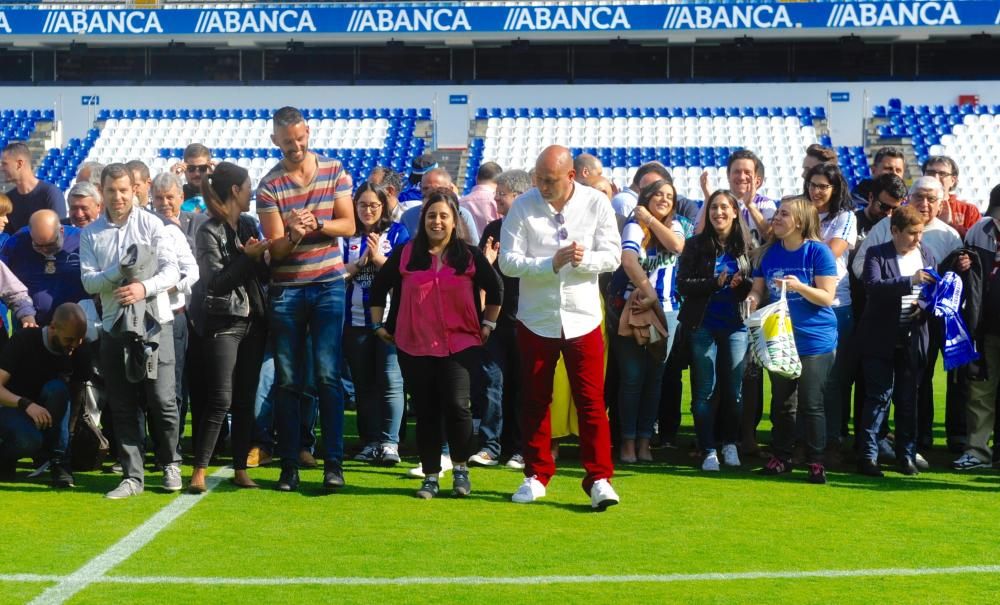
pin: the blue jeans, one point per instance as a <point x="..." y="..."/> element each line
<point x="263" y="409"/>
<point x="20" y="438"/>
<point x="378" y="385"/>
<point x="837" y="392"/>
<point x="487" y="400"/>
<point x="299" y="312"/>
<point x="640" y="381"/>
<point x="717" y="354"/>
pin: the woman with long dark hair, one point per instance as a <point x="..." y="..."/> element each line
<point x="233" y="308"/>
<point x="652" y="240"/>
<point x="378" y="383"/>
<point x="713" y="276"/>
<point x="434" y="322"/>
<point x="829" y="193"/>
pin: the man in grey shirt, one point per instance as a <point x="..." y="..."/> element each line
<point x="103" y="245"/>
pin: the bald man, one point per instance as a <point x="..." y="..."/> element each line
<point x="39" y="370"/>
<point x="438" y="178"/>
<point x="45" y="256"/>
<point x="589" y="170"/>
<point x="557" y="238"/>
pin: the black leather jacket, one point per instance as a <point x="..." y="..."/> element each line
<point x="696" y="280"/>
<point x="231" y="283"/>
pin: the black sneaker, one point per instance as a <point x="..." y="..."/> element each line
<point x="428" y="489"/>
<point x="870" y="468"/>
<point x="776" y="466"/>
<point x="60" y="475"/>
<point x="333" y="476"/>
<point x="460" y="485"/>
<point x="817" y="474"/>
<point x="908" y="467"/>
<point x="289" y="479"/>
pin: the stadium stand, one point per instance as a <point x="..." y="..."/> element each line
<point x="361" y="138"/>
<point x="688" y="140"/>
<point x="969" y="134"/>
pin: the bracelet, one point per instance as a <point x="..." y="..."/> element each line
<point x="489" y="324"/>
<point x="23" y="403"/>
<point x="378" y="325"/>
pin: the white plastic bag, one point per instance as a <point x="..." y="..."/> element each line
<point x="772" y="342"/>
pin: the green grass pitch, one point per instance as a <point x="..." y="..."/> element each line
<point x="673" y="519"/>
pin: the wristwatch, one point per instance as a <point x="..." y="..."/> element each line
<point x="377" y="326"/>
<point x="319" y="224"/>
<point x="489" y="324"/>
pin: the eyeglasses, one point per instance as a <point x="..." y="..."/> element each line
<point x="820" y="186"/>
<point x="924" y="197"/>
<point x="202" y="168"/>
<point x="369" y="207"/>
<point x="937" y="173"/>
<point x="561" y="233"/>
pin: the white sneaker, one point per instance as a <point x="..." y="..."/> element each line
<point x="531" y="490"/>
<point x="602" y="495"/>
<point x="711" y="462"/>
<point x="921" y="463"/>
<point x="730" y="457"/>
<point x="418" y="471"/>
<point x="484" y="458"/>
<point x="967" y="462"/>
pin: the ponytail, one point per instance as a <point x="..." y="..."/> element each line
<point x="217" y="187"/>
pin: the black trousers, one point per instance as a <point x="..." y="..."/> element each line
<point x="233" y="350"/>
<point x="439" y="391"/>
<point x="504" y="347"/>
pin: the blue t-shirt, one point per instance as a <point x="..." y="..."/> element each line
<point x="815" y="327"/>
<point x="721" y="313"/>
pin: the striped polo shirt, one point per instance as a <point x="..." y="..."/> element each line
<point x="317" y="258"/>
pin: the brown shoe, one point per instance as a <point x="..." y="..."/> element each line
<point x="253" y="458"/>
<point x="306" y="459"/>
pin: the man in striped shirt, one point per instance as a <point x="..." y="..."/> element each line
<point x="304" y="204"/>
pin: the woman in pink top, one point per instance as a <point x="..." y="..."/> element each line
<point x="434" y="322"/>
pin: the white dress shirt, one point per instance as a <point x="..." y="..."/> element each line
<point x="186" y="264"/>
<point x="102" y="245"/>
<point x="939" y="239"/>
<point x="568" y="303"/>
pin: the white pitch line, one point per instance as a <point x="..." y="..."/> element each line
<point x="526" y="580"/>
<point x="95" y="569"/>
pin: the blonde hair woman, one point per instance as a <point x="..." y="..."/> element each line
<point x="795" y="258"/>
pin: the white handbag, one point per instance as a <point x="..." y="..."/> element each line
<point x="772" y="341"/>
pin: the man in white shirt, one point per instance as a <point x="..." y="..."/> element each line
<point x="557" y="238"/>
<point x="624" y="203"/>
<point x="926" y="195"/>
<point x="745" y="172"/>
<point x="102" y="247"/>
<point x="167" y="197"/>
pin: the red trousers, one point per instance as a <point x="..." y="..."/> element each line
<point x="584" y="358"/>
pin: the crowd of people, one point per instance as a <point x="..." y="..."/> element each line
<point x="166" y="295"/>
